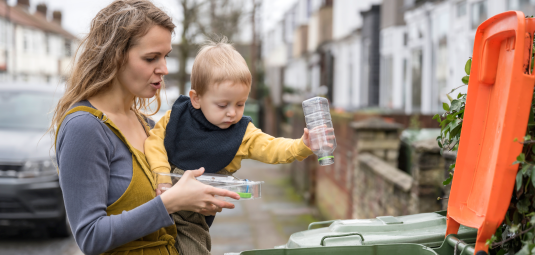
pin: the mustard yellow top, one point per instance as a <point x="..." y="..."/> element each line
<point x="256" y="145"/>
<point x="139" y="192"/>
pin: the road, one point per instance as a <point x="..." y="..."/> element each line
<point x="254" y="224"/>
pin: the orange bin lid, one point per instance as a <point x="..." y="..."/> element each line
<point x="497" y="110"/>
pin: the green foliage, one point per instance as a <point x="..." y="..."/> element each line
<point x="516" y="235"/>
<point x="451" y="122"/>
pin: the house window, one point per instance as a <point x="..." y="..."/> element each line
<point x="416" y="69"/>
<point x="404" y="79"/>
<point x="442" y="69"/>
<point x="47" y="44"/>
<point x="309" y="8"/>
<point x="479" y="13"/>
<point x="386" y="81"/>
<point x="526" y="6"/>
<point x="350" y="82"/>
<point x="67" y="44"/>
<point x="26" y="41"/>
<point x="2" y="32"/>
<point x="460" y="9"/>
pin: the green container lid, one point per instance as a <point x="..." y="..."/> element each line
<point x="425" y="228"/>
<point x="399" y="249"/>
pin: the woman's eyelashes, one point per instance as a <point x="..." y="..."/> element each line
<point x="152" y="59"/>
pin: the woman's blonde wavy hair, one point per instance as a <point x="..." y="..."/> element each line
<point x="104" y="51"/>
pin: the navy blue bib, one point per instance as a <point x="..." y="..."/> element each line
<point x="192" y="141"/>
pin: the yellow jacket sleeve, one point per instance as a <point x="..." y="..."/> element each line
<point x="155" y="148"/>
<point x="260" y="146"/>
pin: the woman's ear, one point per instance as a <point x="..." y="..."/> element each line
<point x="195" y="99"/>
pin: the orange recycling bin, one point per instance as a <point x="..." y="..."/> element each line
<point x="497" y="110"/>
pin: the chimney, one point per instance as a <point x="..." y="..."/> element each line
<point x="41" y="8"/>
<point x="25" y="4"/>
<point x="56" y="17"/>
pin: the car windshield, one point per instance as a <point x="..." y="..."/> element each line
<point x="26" y="109"/>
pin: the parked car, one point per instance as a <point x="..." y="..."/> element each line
<point x="30" y="195"/>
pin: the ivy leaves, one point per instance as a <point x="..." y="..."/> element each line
<point x="467" y="68"/>
<point x="527" y="169"/>
<point x="517" y="232"/>
<point x="451" y="122"/>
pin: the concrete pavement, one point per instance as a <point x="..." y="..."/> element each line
<point x="262" y="223"/>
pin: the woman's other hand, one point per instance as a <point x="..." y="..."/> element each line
<point x="163" y="187"/>
<point x="188" y="194"/>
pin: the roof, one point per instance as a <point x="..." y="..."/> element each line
<point x="21" y="16"/>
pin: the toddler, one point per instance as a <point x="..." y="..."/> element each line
<point x="208" y="129"/>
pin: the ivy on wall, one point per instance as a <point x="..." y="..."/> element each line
<point x="516" y="235"/>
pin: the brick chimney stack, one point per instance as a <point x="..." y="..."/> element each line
<point x="56" y="17"/>
<point x="41" y="8"/>
<point x="24" y="4"/>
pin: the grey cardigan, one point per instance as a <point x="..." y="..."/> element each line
<point x="95" y="170"/>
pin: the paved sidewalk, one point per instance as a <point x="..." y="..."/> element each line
<point x="262" y="223"/>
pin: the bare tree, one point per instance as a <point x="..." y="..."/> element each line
<point x="190" y="10"/>
<point x="254" y="47"/>
<point x="222" y="19"/>
<point x="225" y="17"/>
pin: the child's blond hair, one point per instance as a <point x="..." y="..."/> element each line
<point x="218" y="62"/>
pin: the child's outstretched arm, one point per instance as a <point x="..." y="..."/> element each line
<point x="156" y="153"/>
<point x="268" y="149"/>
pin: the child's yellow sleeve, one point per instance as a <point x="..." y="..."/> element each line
<point x="260" y="146"/>
<point x="155" y="148"/>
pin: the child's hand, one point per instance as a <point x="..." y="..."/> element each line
<point x="162" y="187"/>
<point x="306" y="138"/>
<point x="323" y="131"/>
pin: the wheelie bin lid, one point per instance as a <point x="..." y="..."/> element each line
<point x="387" y="249"/>
<point x="498" y="102"/>
<point x="425" y="228"/>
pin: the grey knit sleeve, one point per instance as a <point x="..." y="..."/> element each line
<point x="84" y="151"/>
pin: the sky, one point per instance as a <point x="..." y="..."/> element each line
<point x="273" y="10"/>
<point x="77" y="14"/>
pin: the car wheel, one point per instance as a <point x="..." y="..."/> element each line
<point x="61" y="229"/>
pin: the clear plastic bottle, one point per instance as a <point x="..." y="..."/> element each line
<point x="320" y="127"/>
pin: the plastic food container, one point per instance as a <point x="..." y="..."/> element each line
<point x="245" y="188"/>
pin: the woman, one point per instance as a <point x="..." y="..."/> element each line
<point x="100" y="131"/>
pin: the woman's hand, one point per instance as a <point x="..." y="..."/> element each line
<point x="188" y="194"/>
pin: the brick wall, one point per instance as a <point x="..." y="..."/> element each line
<point x="428" y="172"/>
<point x="359" y="184"/>
<point x="381" y="189"/>
<point x="335" y="182"/>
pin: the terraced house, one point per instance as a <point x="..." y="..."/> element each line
<point x="34" y="48"/>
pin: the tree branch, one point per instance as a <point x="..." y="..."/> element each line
<point x="494" y="245"/>
<point x="457" y="88"/>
